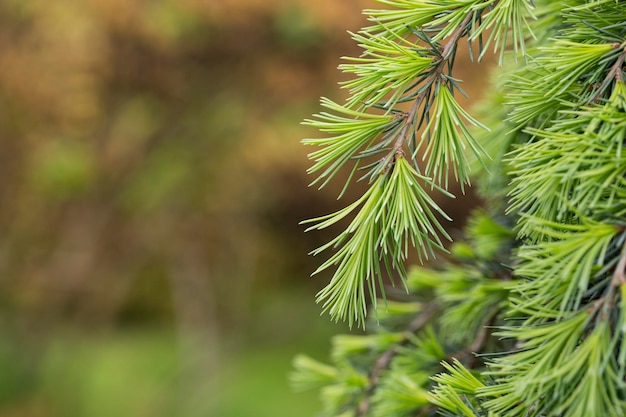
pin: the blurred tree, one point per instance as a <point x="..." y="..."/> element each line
<point x="151" y="180"/>
<point x="146" y="154"/>
<point x="132" y="134"/>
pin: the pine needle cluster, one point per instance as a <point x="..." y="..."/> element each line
<point x="526" y="315"/>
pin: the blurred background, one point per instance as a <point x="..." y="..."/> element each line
<point x="152" y="181"/>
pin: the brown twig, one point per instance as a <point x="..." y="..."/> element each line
<point x="384" y="360"/>
<point x="614" y="72"/>
<point x="446" y="53"/>
<point x="480" y="339"/>
<point x="616" y="69"/>
<point x="619" y="275"/>
<point x="605" y="303"/>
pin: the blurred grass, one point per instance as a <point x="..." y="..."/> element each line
<point x="263" y="372"/>
<point x="137" y="372"/>
<point x="121" y="374"/>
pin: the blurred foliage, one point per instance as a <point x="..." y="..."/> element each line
<point x="153" y="179"/>
<point x="149" y="158"/>
<point x="143" y="139"/>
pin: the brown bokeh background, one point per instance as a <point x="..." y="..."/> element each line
<point x="151" y="262"/>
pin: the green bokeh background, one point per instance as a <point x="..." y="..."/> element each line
<point x="151" y="261"/>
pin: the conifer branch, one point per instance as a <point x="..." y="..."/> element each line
<point x="556" y="215"/>
<point x="396" y="209"/>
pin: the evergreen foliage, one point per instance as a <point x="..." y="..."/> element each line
<point x="526" y="315"/>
